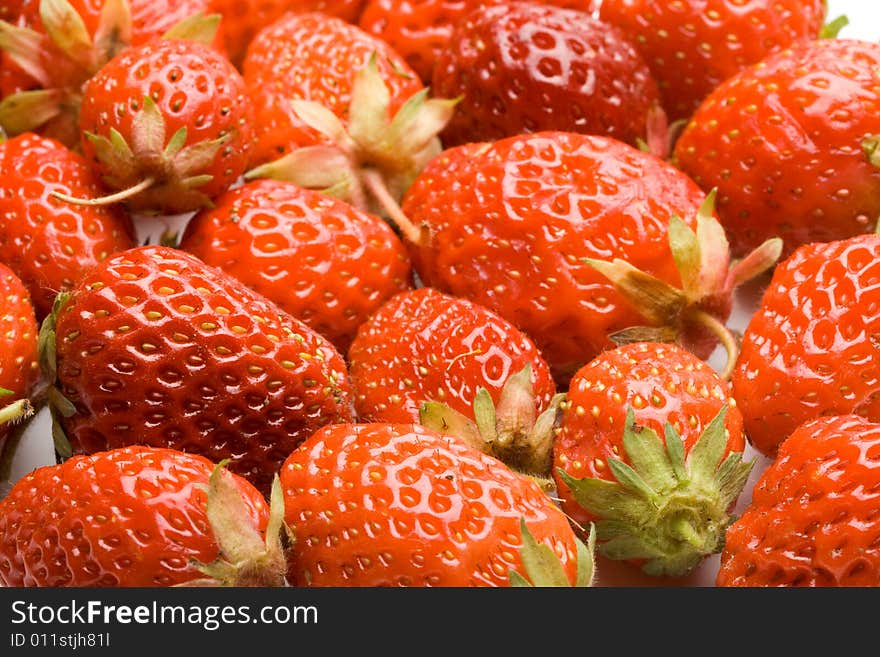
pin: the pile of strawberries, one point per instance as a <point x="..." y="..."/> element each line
<point x="442" y="303"/>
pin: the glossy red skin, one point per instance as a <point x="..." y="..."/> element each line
<point x="782" y="142"/>
<point x="428" y="346"/>
<point x="661" y="383"/>
<point x="814" y="519"/>
<point x="522" y="67"/>
<point x="243" y="20"/>
<point x="695" y="45"/>
<point x="420" y="30"/>
<point x="150" y="19"/>
<point x="320" y="259"/>
<point x="218" y="370"/>
<point x="131" y="517"/>
<point x="511" y="223"/>
<point x="400" y="505"/>
<point x="19" y="369"/>
<point x="810" y="348"/>
<point x="212" y="99"/>
<point x="313" y="57"/>
<point x="49" y="243"/>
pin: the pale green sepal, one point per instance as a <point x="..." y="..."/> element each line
<point x="443" y="419"/>
<point x="369" y="106"/>
<point x="705" y="455"/>
<point x="197" y="27"/>
<point x="148" y="131"/>
<point x="312" y="167"/>
<point x="67" y="30"/>
<point x="197" y="157"/>
<point x="484" y="414"/>
<point x="686" y="252"/>
<point x="114" y="30"/>
<point x="832" y="28"/>
<point x="24" y="45"/>
<point x="599" y="496"/>
<point x="586" y="559"/>
<point x="675" y="451"/>
<point x="176" y="143"/>
<point x="319" y="118"/>
<point x="630" y="479"/>
<point x="26" y="111"/>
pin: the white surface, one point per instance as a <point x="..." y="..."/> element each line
<point x="864" y="23"/>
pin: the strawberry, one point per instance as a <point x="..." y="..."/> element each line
<point x="242" y="21"/>
<point x="662" y="503"/>
<point x="19" y="370"/>
<point x="582" y="70"/>
<point x="48" y="243"/>
<point x="57" y="45"/>
<point x="137" y="517"/>
<point x="692" y="46"/>
<point x="323" y="261"/>
<point x="400" y="505"/>
<point x="352" y="117"/>
<point x="430" y="357"/>
<point x="811" y="347"/>
<point x="167" y="124"/>
<point x="552" y="231"/>
<point x="420" y="30"/>
<point x="154" y="347"/>
<point x="792" y="146"/>
<point x="813" y="518"/>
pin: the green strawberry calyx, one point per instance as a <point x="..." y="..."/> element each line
<point x="708" y="277"/>
<point x="511" y="431"/>
<point x="59" y="405"/>
<point x="660" y="135"/>
<point x="372" y="161"/>
<point x="152" y="172"/>
<point x="54" y="107"/>
<point x="871" y="148"/>
<point x="246" y="557"/>
<point x="542" y="567"/>
<point x="665" y="509"/>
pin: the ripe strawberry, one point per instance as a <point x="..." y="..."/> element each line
<point x="134" y="517"/>
<point x="583" y="71"/>
<point x="663" y="503"/>
<point x="48" y="243"/>
<point x="154" y="347"/>
<point x="242" y="21"/>
<point x="19" y="370"/>
<point x="57" y="45"/>
<point x="420" y="30"/>
<point x="551" y="230"/>
<point x="362" y="132"/>
<point x="811" y="347"/>
<point x="400" y="505"/>
<point x="168" y="124"/>
<point x="792" y="145"/>
<point x="693" y="46"/>
<point x="813" y="518"/>
<point x="430" y="357"/>
<point x="323" y="261"/>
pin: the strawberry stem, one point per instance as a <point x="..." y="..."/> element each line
<point x="375" y="183"/>
<point x="16" y="411"/>
<point x="118" y="197"/>
<point x="728" y="341"/>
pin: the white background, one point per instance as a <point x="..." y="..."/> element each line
<point x="864" y="18"/>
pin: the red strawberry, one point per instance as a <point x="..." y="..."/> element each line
<point x="814" y="518"/>
<point x="48" y="243"/>
<point x="318" y="258"/>
<point x="242" y="21"/>
<point x="57" y="45"/>
<point x="155" y="347"/>
<point x="399" y="505"/>
<point x="18" y="350"/>
<point x="811" y="348"/>
<point x="420" y="30"/>
<point x="792" y="145"/>
<point x="502" y="58"/>
<point x="550" y="231"/>
<point x="168" y="124"/>
<point x="662" y="502"/>
<point x="692" y="46"/>
<point x="430" y="357"/>
<point x="361" y="132"/>
<point x="137" y="517"/>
